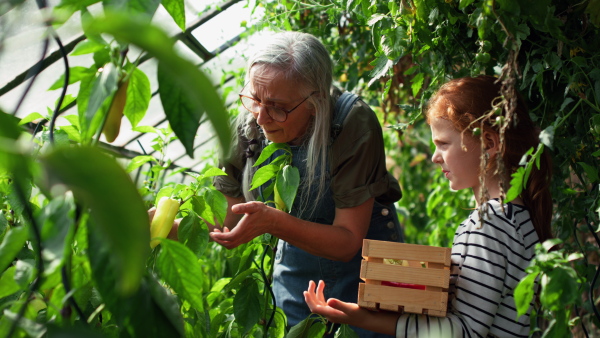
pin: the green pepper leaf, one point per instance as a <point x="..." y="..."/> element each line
<point x="263" y="174"/>
<point x="138" y="97"/>
<point x="247" y="305"/>
<point x="193" y="233"/>
<point x="178" y="266"/>
<point x="269" y="150"/>
<point x="524" y="293"/>
<point x="287" y="182"/>
<point x="176" y="9"/>
<point x="11" y="245"/>
<point x="114" y="202"/>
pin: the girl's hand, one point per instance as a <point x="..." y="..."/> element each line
<point x="349" y="313"/>
<point x="333" y="309"/>
<point x="256" y="221"/>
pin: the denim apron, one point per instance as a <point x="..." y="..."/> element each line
<point x="294" y="267"/>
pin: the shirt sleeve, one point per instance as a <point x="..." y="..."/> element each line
<point x="358" y="166"/>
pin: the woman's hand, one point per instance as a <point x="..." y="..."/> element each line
<point x="256" y="221"/>
<point x="348" y="313"/>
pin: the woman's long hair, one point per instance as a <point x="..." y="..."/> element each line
<point x="467" y="103"/>
<point x="305" y="62"/>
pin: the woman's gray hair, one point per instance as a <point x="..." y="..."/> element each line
<point x="303" y="59"/>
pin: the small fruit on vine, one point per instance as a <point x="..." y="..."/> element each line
<point x="163" y="219"/>
<point x="486" y="45"/>
<point x="112" y="126"/>
<point x="483" y="57"/>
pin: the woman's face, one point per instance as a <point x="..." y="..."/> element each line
<point x="268" y="86"/>
<point x="459" y="165"/>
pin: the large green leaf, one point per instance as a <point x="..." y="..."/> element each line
<point x="269" y="150"/>
<point x="138" y="97"/>
<point x="178" y="266"/>
<point x="133" y="312"/>
<point x="217" y="203"/>
<point x="559" y="287"/>
<point x="301" y="329"/>
<point x="344" y="331"/>
<point x="198" y="88"/>
<point x="114" y="202"/>
<point x="57" y="227"/>
<point x="287" y="182"/>
<point x="247" y="305"/>
<point x="93" y="96"/>
<point x="183" y="115"/>
<point x="11" y="245"/>
<point x="176" y="9"/>
<point x="138" y="8"/>
<point x="524" y="293"/>
<point x="8" y="285"/>
<point x="263" y="174"/>
<point x="193" y="233"/>
<point x="76" y="74"/>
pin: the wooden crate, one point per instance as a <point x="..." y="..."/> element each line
<point x="425" y="266"/>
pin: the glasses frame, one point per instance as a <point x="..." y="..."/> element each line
<point x="267" y="106"/>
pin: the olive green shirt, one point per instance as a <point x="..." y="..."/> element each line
<point x="357" y="162"/>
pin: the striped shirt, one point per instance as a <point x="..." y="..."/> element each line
<point x="488" y="261"/>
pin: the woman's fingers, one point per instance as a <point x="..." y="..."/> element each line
<point x="247" y="208"/>
<point x="151" y="213"/>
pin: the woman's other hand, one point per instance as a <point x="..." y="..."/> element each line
<point x="257" y="219"/>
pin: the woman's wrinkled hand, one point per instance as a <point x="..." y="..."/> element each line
<point x="256" y="221"/>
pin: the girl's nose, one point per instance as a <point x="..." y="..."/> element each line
<point x="436" y="157"/>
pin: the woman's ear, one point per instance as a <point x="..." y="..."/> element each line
<point x="492" y="143"/>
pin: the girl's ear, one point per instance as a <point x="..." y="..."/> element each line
<point x="492" y="143"/>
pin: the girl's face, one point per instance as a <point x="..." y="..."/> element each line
<point x="459" y="160"/>
<point x="268" y="86"/>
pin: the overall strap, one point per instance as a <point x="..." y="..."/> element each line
<point x="342" y="108"/>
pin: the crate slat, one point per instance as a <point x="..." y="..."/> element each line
<point x="405" y="274"/>
<point x="412" y="252"/>
<point x="408" y="298"/>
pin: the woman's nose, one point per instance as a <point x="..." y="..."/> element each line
<point x="263" y="116"/>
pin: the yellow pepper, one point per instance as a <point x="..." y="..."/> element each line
<point x="112" y="126"/>
<point x="162" y="222"/>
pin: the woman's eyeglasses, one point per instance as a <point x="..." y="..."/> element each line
<point x="276" y="113"/>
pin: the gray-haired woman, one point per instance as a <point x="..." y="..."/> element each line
<point x="346" y="193"/>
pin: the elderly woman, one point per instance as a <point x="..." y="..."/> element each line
<point x="345" y="194"/>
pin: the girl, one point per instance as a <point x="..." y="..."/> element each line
<point x="489" y="255"/>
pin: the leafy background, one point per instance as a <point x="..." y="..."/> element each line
<point x="74" y="252"/>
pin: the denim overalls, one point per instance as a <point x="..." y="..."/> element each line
<point x="294" y="267"/>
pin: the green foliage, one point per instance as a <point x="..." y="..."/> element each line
<point x="74" y="232"/>
<point x="283" y="179"/>
<point x="547" y="50"/>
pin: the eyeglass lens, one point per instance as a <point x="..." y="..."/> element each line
<point x="253" y="106"/>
